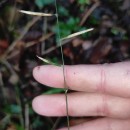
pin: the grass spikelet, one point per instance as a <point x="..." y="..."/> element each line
<point x="36" y="13"/>
<point x="77" y="34"/>
<point x="47" y="61"/>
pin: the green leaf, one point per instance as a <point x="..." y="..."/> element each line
<point x="37" y="123"/>
<point x="55" y="91"/>
<point x="63" y="11"/>
<point x="94" y="21"/>
<point x="70" y="26"/>
<point x="12" y="109"/>
<point x="15" y="109"/>
<point x="42" y="3"/>
<point x="19" y="127"/>
<point x="83" y="2"/>
<point x="115" y="31"/>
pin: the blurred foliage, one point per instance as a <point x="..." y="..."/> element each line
<point x="42" y="3"/>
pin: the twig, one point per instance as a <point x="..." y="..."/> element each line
<point x="26" y="117"/>
<point x="3" y="2"/>
<point x="56" y="123"/>
<point x="44" y="31"/>
<point x="55" y="47"/>
<point x="19" y="102"/>
<point x="5" y="121"/>
<point x="32" y="43"/>
<point x="27" y="27"/>
<point x="89" y="12"/>
<point x="43" y="38"/>
<point x="2" y="89"/>
<point x="13" y="14"/>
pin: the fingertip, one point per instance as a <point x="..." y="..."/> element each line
<point x="46" y="105"/>
<point x="40" y="74"/>
<point x="49" y="75"/>
<point x="36" y="71"/>
<point x="36" y="104"/>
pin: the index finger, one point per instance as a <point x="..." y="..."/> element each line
<point x="111" y="79"/>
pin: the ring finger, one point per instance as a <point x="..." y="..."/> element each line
<point x="83" y="104"/>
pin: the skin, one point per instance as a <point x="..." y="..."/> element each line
<point x="101" y="90"/>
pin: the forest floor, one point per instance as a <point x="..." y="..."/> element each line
<point x="23" y="37"/>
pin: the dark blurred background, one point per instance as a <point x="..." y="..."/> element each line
<point x="22" y="37"/>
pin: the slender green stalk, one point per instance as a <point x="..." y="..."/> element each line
<point x="65" y="84"/>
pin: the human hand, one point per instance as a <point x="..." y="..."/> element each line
<point x="102" y="90"/>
